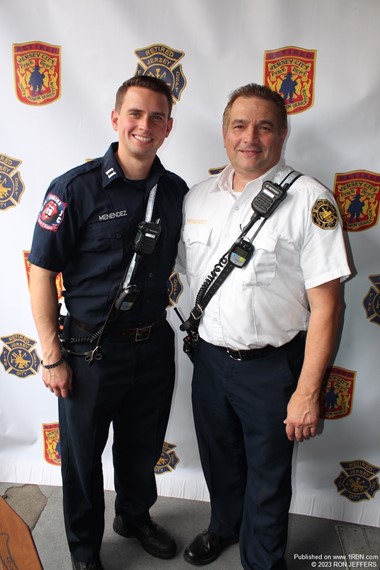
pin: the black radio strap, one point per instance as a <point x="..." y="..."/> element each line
<point x="224" y="267"/>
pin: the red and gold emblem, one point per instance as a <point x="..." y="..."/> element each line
<point x="290" y="71"/>
<point x="58" y="280"/>
<point x="337" y="393"/>
<point x="37" y="72"/>
<point x="52" y="443"/>
<point x="358" y="194"/>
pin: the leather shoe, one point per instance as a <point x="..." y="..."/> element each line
<point x="153" y="538"/>
<point x="206" y="547"/>
<point x="78" y="565"/>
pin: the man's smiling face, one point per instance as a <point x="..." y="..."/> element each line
<point x="142" y="123"/>
<point x="253" y="137"/>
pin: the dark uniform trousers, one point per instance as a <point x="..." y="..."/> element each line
<point x="239" y="409"/>
<point x="130" y="387"/>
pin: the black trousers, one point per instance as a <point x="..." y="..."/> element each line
<point x="239" y="409"/>
<point x="130" y="387"/>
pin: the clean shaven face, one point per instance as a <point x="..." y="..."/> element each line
<point x="253" y="138"/>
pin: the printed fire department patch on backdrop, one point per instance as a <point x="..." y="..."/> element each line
<point x="168" y="459"/>
<point x="18" y="356"/>
<point x="37" y="72"/>
<point x="372" y="300"/>
<point x="58" y="280"/>
<point x="358" y="195"/>
<point x="337" y="393"/>
<point x="216" y="170"/>
<point x="161" y="61"/>
<point x="11" y="185"/>
<point x="52" y="450"/>
<point x="52" y="443"/>
<point x="290" y="71"/>
<point x="175" y="288"/>
<point x="357" y="482"/>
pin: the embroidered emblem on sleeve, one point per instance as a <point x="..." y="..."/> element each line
<point x="52" y="213"/>
<point x="324" y="215"/>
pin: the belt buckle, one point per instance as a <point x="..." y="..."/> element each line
<point x="142" y="334"/>
<point x="231" y="353"/>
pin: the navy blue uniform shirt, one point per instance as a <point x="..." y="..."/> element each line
<point x="86" y="228"/>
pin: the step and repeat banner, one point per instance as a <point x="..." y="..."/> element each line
<point x="60" y="67"/>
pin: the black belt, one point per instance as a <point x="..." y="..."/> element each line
<point x="248" y="354"/>
<point x="135" y="334"/>
<point x="254" y="352"/>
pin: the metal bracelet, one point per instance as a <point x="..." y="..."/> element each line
<point x="54" y="365"/>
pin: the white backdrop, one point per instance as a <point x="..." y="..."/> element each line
<point x="207" y="47"/>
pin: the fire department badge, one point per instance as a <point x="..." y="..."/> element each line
<point x="58" y="280"/>
<point x="11" y="185"/>
<point x="18" y="356"/>
<point x="372" y="300"/>
<point x="337" y="393"/>
<point x="290" y="71"/>
<point x="358" y="195"/>
<point x="324" y="215"/>
<point x="168" y="460"/>
<point x="52" y="444"/>
<point x="37" y="72"/>
<point x="357" y="482"/>
<point x="175" y="288"/>
<point x="162" y="61"/>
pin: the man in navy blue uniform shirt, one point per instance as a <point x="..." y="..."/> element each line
<point x="89" y="228"/>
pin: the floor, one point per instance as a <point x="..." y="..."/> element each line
<point x="312" y="543"/>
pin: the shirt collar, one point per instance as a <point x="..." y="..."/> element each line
<point x="275" y="174"/>
<point x="111" y="169"/>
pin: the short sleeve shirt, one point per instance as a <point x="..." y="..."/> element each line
<point x="300" y="246"/>
<point x="86" y="228"/>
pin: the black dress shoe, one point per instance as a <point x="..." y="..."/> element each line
<point x="205" y="548"/>
<point x="78" y="565"/>
<point x="153" y="538"/>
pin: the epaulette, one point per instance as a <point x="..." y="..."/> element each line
<point x="77" y="171"/>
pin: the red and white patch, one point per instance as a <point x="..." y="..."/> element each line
<point x="52" y="213"/>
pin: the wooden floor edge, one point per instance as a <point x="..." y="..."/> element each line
<point x="17" y="548"/>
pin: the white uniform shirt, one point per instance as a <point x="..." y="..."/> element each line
<point x="264" y="302"/>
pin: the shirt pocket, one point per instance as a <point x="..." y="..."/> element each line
<point x="263" y="268"/>
<point x="109" y="236"/>
<point x="196" y="239"/>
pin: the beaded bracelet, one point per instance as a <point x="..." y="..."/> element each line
<point x="54" y="365"/>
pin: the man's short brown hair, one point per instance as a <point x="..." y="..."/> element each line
<point x="148" y="82"/>
<point x="261" y="92"/>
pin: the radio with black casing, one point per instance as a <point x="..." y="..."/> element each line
<point x="146" y="237"/>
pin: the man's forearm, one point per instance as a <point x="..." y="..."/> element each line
<point x="325" y="313"/>
<point x="320" y="341"/>
<point x="44" y="304"/>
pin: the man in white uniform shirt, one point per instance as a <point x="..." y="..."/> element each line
<point x="266" y="335"/>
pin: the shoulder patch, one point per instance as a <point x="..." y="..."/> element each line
<point x="52" y="213"/>
<point x="324" y="215"/>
